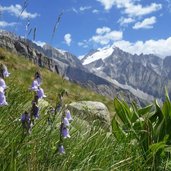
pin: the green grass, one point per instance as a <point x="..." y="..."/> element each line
<point x="90" y="147"/>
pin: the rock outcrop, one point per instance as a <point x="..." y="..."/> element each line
<point x="91" y="110"/>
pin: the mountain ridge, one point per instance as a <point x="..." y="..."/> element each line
<point x="64" y="64"/>
<point x="148" y="73"/>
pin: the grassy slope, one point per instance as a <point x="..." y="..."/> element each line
<point x="23" y="72"/>
<point x="89" y="148"/>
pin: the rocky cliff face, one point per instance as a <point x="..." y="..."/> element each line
<point x="64" y="63"/>
<point x="148" y="73"/>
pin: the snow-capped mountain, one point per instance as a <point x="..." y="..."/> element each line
<point x="144" y="75"/>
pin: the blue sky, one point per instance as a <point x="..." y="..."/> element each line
<point x="136" y="26"/>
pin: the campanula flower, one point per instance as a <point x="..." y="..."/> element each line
<point x="61" y="149"/>
<point x="40" y="93"/>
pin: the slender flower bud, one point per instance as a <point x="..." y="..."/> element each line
<point x="35" y="110"/>
<point x="61" y="149"/>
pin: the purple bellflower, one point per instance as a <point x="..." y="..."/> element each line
<point x="34" y="85"/>
<point x="66" y="122"/>
<point x="61" y="149"/>
<point x="3" y="84"/>
<point x="40" y="93"/>
<point x="26" y="121"/>
<point x="6" y="73"/>
<point x="64" y="131"/>
<point x="68" y="115"/>
<point x="3" y="101"/>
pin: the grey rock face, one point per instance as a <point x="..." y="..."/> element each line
<point x="147" y="73"/>
<point x="91" y="110"/>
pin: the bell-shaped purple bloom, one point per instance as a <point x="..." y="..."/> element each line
<point x="25" y="117"/>
<point x="64" y="131"/>
<point x="3" y="101"/>
<point x="40" y="93"/>
<point x="34" y="85"/>
<point x="61" y="149"/>
<point x="6" y="73"/>
<point x="68" y="115"/>
<point x="26" y="122"/>
<point x="65" y="122"/>
<point x="3" y="84"/>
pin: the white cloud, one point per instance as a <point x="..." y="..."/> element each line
<point x="83" y="44"/>
<point x="85" y="8"/>
<point x="105" y="36"/>
<point x="95" y="11"/>
<point x="16" y="10"/>
<point x="74" y="10"/>
<point x="131" y="7"/>
<point x="161" y="47"/>
<point x="68" y="39"/>
<point x="103" y="30"/>
<point x="108" y="4"/>
<point x="146" y="23"/>
<point x="4" y="24"/>
<point x="139" y="10"/>
<point x="125" y="21"/>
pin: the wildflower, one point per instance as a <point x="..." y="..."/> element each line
<point x="61" y="149"/>
<point x="65" y="121"/>
<point x="64" y="131"/>
<point x="4" y="71"/>
<point x="26" y="122"/>
<point x="68" y="115"/>
<point x="3" y="84"/>
<point x="40" y="93"/>
<point x="3" y="101"/>
<point x="34" y="85"/>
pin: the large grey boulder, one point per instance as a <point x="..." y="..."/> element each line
<point x="91" y="110"/>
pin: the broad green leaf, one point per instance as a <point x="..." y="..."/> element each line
<point x="122" y="112"/>
<point x="117" y="131"/>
